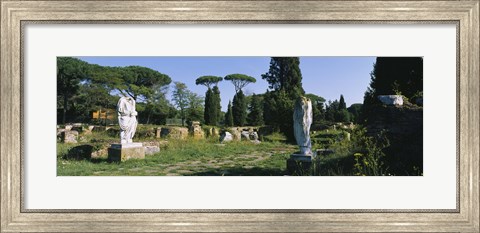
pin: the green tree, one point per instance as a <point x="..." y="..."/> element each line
<point x="181" y="99"/>
<point x="393" y="76"/>
<point x="239" y="109"/>
<point x="157" y="107"/>
<point x="341" y="113"/>
<point x="255" y="116"/>
<point x="207" y="116"/>
<point x="284" y="74"/>
<point x="317" y="108"/>
<point x="342" y="105"/>
<point x="240" y="81"/>
<point x="212" y="99"/>
<point x="342" y="116"/>
<point x="208" y="80"/>
<point x="216" y="110"/>
<point x="278" y="112"/>
<point x="397" y="76"/>
<point x="285" y="78"/>
<point x="320" y="118"/>
<point x="331" y="112"/>
<point x="195" y="107"/>
<point x="135" y="81"/>
<point x="355" y="111"/>
<point x="70" y="72"/>
<point x="91" y="97"/>
<point x="229" y="115"/>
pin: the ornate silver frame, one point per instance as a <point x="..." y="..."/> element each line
<point x="15" y="14"/>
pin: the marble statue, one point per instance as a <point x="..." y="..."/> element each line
<point x="302" y="119"/>
<point x="127" y="119"/>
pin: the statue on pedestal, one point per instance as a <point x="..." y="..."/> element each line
<point x="127" y="119"/>
<point x="302" y="163"/>
<point x="302" y="119"/>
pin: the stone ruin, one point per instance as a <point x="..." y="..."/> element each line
<point x="396" y="100"/>
<point x="240" y="134"/>
<point x="196" y="130"/>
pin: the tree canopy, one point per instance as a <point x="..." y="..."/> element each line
<point x="70" y="72"/>
<point x="285" y="78"/>
<point x="133" y="81"/>
<point x="181" y="98"/>
<point x="213" y="109"/>
<point x="239" y="109"/>
<point x="317" y="107"/>
<point x="240" y="80"/>
<point x="284" y="74"/>
<point x="393" y="76"/>
<point x="255" y="116"/>
<point x="208" y="80"/>
<point x="229" y="115"/>
<point x="315" y="98"/>
<point x="397" y="76"/>
<point x="195" y="107"/>
<point x="341" y="104"/>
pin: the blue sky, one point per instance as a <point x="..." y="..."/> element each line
<point x="323" y="76"/>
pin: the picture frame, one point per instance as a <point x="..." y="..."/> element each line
<point x="15" y="218"/>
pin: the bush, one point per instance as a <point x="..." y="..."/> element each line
<point x="370" y="159"/>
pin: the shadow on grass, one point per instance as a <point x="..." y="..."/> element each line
<point x="241" y="171"/>
<point x="337" y="166"/>
<point x="83" y="152"/>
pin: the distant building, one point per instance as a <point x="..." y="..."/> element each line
<point x="104" y="115"/>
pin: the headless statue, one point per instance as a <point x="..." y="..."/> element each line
<point x="127" y="119"/>
<point x="302" y="119"/>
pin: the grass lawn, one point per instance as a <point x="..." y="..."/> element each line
<point x="207" y="157"/>
<point x="188" y="158"/>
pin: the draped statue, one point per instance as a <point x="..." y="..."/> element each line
<point x="302" y="119"/>
<point x="127" y="119"/>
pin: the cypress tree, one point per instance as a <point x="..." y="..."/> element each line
<point x="255" y="117"/>
<point x="393" y="76"/>
<point x="212" y="99"/>
<point x="208" y="104"/>
<point x="342" y="105"/>
<point x="217" y="108"/>
<point x="239" y="109"/>
<point x="285" y="78"/>
<point x="229" y="115"/>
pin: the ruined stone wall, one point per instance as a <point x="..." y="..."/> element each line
<point x="403" y="126"/>
<point x="398" y="121"/>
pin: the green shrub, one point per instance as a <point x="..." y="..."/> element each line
<point x="369" y="160"/>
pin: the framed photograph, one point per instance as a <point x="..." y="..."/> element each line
<point x="239" y="116"/>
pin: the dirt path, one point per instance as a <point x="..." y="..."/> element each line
<point x="246" y="161"/>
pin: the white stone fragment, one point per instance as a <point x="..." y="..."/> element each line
<point x="391" y="99"/>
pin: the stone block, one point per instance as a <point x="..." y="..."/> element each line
<point x="226" y="137"/>
<point x="396" y="100"/>
<point x="299" y="164"/>
<point x="174" y="132"/>
<point x="69" y="136"/>
<point x="151" y="150"/>
<point x="126" y="151"/>
<point x="245" y="135"/>
<point x="196" y="130"/>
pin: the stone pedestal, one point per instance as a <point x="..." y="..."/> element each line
<point x="126" y="151"/>
<point x="69" y="136"/>
<point x="299" y="164"/>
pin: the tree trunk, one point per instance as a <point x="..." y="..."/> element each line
<point x="148" y="117"/>
<point x="183" y="117"/>
<point x="64" y="108"/>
